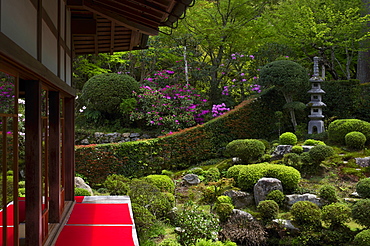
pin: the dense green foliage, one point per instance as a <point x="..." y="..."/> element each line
<point x="248" y="150"/>
<point x="277" y="196"/>
<point x="288" y="138"/>
<point x="268" y="209"/>
<point x="81" y="192"/>
<point x="362" y="238"/>
<point x="363" y="188"/>
<point x="306" y="214"/>
<point x="223" y="210"/>
<point x="103" y="94"/>
<point x="338" y="129"/>
<point x="355" y="140"/>
<point x="313" y="142"/>
<point x="336" y="214"/>
<point x="250" y="174"/>
<point x="361" y="212"/>
<point x="162" y="182"/>
<point x="117" y="184"/>
<point x="320" y="152"/>
<point x="328" y="193"/>
<point x="297" y="149"/>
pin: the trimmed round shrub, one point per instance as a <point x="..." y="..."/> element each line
<point x="338" y="129"/>
<point x="117" y="184"/>
<point x="306" y="214"/>
<point x="223" y="210"/>
<point x="313" y="142"/>
<point x="224" y="199"/>
<point x="105" y="92"/>
<point x="362" y="238"/>
<point x="248" y="150"/>
<point x="292" y="159"/>
<point x="268" y="209"/>
<point x="250" y="174"/>
<point x="363" y="188"/>
<point x="336" y="214"/>
<point x="297" y="149"/>
<point x="328" y="193"/>
<point x="320" y="152"/>
<point x="277" y="196"/>
<point x="143" y="217"/>
<point x="233" y="172"/>
<point x="361" y="212"/>
<point x="81" y="192"/>
<point x="163" y="182"/>
<point x="212" y="174"/>
<point x="355" y="140"/>
<point x="288" y="138"/>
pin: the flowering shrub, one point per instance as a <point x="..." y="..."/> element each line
<point x="6" y="93"/>
<point x="218" y="110"/>
<point x="169" y="108"/>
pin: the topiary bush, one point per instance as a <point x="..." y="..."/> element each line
<point x="149" y="196"/>
<point x="105" y="92"/>
<point x="144" y="219"/>
<point x="277" y="196"/>
<point x="248" y="150"/>
<point x="313" y="142"/>
<point x="363" y="187"/>
<point x="292" y="159"/>
<point x="320" y="152"/>
<point x="117" y="184"/>
<point x="224" y="199"/>
<point x="169" y="242"/>
<point x="223" y="210"/>
<point x="328" y="193"/>
<point x="268" y="209"/>
<point x="204" y="242"/>
<point x="355" y="140"/>
<point x="288" y="138"/>
<point x="361" y="212"/>
<point x="297" y="149"/>
<point x="162" y="182"/>
<point x="250" y="174"/>
<point x="233" y="172"/>
<point x="306" y="214"/>
<point x="336" y="214"/>
<point x="81" y="192"/>
<point x="338" y="129"/>
<point x="212" y="174"/>
<point x="362" y="238"/>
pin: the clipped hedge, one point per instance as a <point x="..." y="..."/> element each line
<point x="338" y="129"/>
<point x="250" y="174"/>
<point x="179" y="150"/>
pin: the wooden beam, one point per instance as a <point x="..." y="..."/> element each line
<point x="54" y="157"/>
<point x="68" y="148"/>
<point x="89" y="5"/>
<point x="33" y="161"/>
<point x="83" y="26"/>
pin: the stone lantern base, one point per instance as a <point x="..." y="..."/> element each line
<point x="315" y="126"/>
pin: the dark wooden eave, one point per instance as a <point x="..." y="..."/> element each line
<point x="107" y="26"/>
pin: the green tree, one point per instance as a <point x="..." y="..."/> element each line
<point x="330" y="29"/>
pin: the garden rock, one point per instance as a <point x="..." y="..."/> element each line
<point x="240" y="199"/>
<point x="80" y="183"/>
<point x="307" y="148"/>
<point x="191" y="179"/>
<point x="287" y="225"/>
<point x="280" y="151"/>
<point x="237" y="213"/>
<point x="85" y="141"/>
<point x="265" y="186"/>
<point x="291" y="199"/>
<point x="363" y="162"/>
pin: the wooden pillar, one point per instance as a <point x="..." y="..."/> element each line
<point x="33" y="161"/>
<point x="54" y="158"/>
<point x="69" y="151"/>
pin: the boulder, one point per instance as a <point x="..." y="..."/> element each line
<point x="265" y="186"/>
<point x="363" y="162"/>
<point x="280" y="151"/>
<point x="240" y="199"/>
<point x="191" y="179"/>
<point x="286" y="225"/>
<point x="307" y="148"/>
<point x="242" y="215"/>
<point x="85" y="141"/>
<point x="80" y="183"/>
<point x="291" y="199"/>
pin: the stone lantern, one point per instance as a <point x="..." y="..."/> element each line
<point x="316" y="123"/>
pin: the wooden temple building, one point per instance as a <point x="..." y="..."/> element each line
<point x="38" y="40"/>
